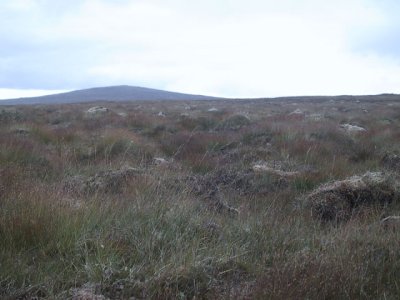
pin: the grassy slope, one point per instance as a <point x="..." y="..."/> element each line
<point x="158" y="239"/>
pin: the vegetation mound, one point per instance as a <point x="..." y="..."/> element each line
<point x="110" y="181"/>
<point x="339" y="200"/>
<point x="391" y="162"/>
<point x="234" y="122"/>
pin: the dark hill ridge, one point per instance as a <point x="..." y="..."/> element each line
<point x="132" y="93"/>
<point x="112" y="93"/>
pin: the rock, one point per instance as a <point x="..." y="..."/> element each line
<point x="110" y="181"/>
<point x="339" y="200"/>
<point x="160" y="161"/>
<point x="267" y="168"/>
<point x="283" y="169"/>
<point x="352" y="128"/>
<point x="213" y="109"/>
<point x="161" y="114"/>
<point x="97" y="110"/>
<point x="391" y="162"/>
<point x="122" y="114"/>
<point x="391" y="223"/>
<point x="297" y="112"/>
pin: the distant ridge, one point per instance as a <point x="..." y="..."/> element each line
<point x="345" y="98"/>
<point x="134" y="93"/>
<point x="111" y="93"/>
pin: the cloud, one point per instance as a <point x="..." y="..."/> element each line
<point x="227" y="48"/>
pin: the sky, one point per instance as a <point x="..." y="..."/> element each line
<point x="229" y="48"/>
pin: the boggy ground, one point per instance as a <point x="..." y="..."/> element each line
<point x="208" y="199"/>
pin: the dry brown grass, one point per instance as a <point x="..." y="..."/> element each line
<point x="168" y="233"/>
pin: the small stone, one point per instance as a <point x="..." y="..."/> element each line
<point x="352" y="128"/>
<point x="297" y="112"/>
<point x="97" y="110"/>
<point x="280" y="173"/>
<point x="160" y="161"/>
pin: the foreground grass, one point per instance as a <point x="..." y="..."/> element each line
<point x="159" y="246"/>
<point x="157" y="239"/>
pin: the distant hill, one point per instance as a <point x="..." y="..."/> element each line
<point x="133" y="93"/>
<point x="112" y="93"/>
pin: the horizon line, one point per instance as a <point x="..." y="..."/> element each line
<point x="37" y="93"/>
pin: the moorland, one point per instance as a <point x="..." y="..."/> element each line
<point x="217" y="199"/>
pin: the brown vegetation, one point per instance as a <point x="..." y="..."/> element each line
<point x="209" y="199"/>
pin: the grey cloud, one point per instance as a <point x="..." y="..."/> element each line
<point x="194" y="46"/>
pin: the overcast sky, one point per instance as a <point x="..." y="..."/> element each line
<point x="232" y="48"/>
